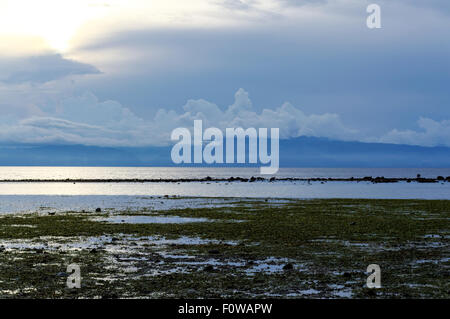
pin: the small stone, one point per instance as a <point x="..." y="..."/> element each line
<point x="214" y="252"/>
<point x="288" y="267"/>
<point x="191" y="291"/>
<point x="98" y="210"/>
<point x="208" y="268"/>
<point x="347" y="275"/>
<point x="51" y="213"/>
<point x="352" y="223"/>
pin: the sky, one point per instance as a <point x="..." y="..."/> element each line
<point x="127" y="72"/>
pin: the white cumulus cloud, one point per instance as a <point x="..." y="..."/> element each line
<point x="433" y="133"/>
<point x="86" y="120"/>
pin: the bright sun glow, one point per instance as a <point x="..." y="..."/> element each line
<point x="58" y="22"/>
<point x="55" y="21"/>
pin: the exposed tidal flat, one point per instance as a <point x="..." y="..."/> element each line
<point x="229" y="247"/>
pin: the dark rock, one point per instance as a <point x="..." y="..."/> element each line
<point x="208" y="268"/>
<point x="272" y="179"/>
<point x="98" y="210"/>
<point x="252" y="179"/>
<point x="214" y="252"/>
<point x="440" y="178"/>
<point x="347" y="275"/>
<point x="288" y="267"/>
<point x="352" y="223"/>
<point x="426" y="180"/>
<point x="51" y="213"/>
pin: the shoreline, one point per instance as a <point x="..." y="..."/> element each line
<point x="375" y="180"/>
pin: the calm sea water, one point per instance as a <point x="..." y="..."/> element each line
<point x="188" y="172"/>
<point x="12" y="191"/>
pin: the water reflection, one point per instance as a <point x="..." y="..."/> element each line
<point x="399" y="190"/>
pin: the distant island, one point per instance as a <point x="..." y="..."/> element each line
<point x="296" y="152"/>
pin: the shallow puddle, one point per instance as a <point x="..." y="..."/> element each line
<point x="152" y="220"/>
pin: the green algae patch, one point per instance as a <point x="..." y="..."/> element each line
<point x="249" y="248"/>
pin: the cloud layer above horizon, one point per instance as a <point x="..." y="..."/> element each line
<point x="122" y="73"/>
<point x="86" y="120"/>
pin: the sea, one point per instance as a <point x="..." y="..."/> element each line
<point x="20" y="196"/>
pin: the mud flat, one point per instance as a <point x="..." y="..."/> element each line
<point x="242" y="248"/>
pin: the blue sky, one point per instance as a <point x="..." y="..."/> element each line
<point x="128" y="72"/>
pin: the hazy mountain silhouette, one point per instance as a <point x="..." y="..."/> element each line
<point x="298" y="152"/>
